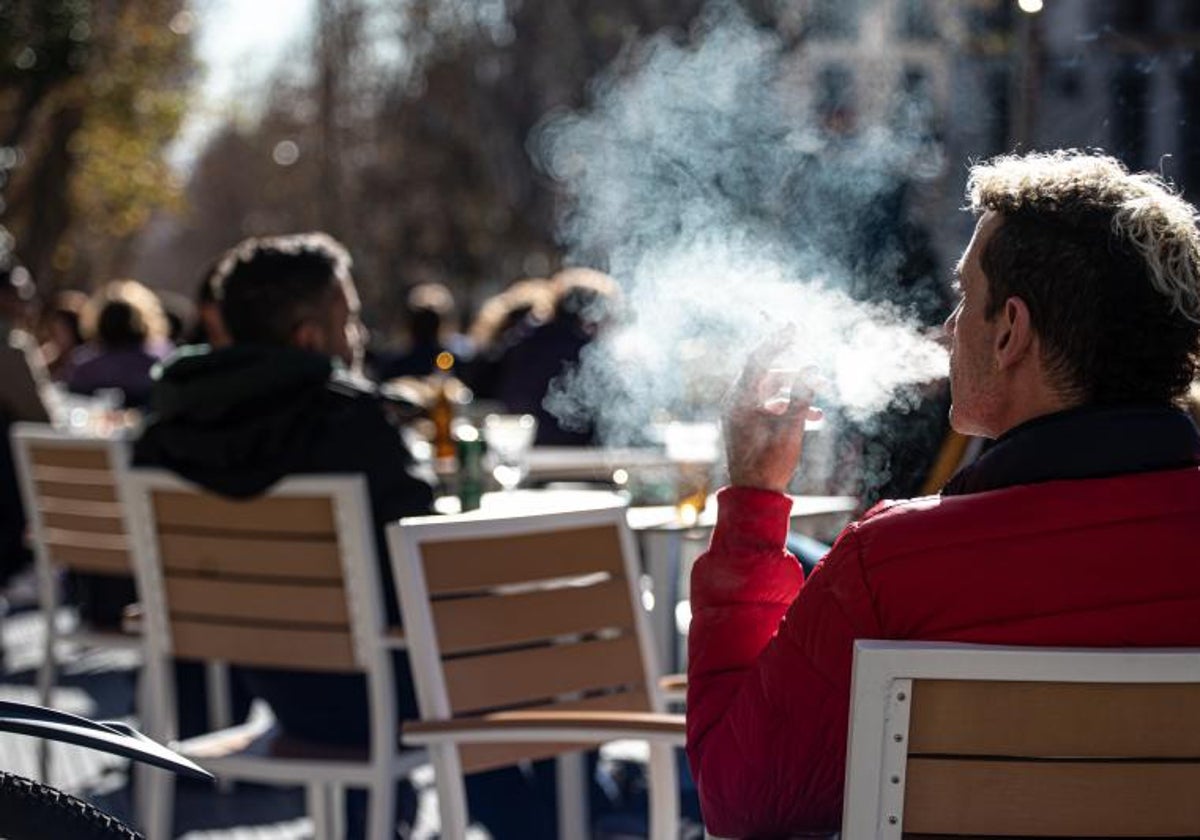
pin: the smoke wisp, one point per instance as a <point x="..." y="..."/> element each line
<point x="701" y="182"/>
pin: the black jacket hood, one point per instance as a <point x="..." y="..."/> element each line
<point x="234" y="419"/>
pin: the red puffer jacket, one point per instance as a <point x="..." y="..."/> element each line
<point x="1099" y="562"/>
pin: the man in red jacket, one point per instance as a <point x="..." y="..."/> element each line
<point x="1075" y="335"/>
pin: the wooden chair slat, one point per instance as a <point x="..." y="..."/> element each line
<point x="80" y="507"/>
<point x="477" y="758"/>
<point x="297" y="649"/>
<point x="475" y="683"/>
<point x="468" y="565"/>
<point x="65" y="487"/>
<point x="294" y="559"/>
<point x="83" y="523"/>
<point x="199" y="512"/>
<point x="495" y="620"/>
<point x="85" y="558"/>
<point x="271" y="602"/>
<point x="1051" y="798"/>
<point x="70" y="457"/>
<point x="1057" y="720"/>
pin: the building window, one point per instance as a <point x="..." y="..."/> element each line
<point x="1130" y="87"/>
<point x="1189" y="129"/>
<point x="915" y="20"/>
<point x="998" y="99"/>
<point x="834" y="19"/>
<point x="834" y="99"/>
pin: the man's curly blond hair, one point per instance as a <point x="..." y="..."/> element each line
<point x="1108" y="263"/>
<point x="1147" y="213"/>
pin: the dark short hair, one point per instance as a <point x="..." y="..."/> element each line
<point x="269" y="286"/>
<point x="123" y="314"/>
<point x="428" y="308"/>
<point x="1108" y="263"/>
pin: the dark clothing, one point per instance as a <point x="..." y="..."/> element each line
<point x="128" y="370"/>
<point x="239" y="419"/>
<point x="519" y="371"/>
<point x="1089" y="442"/>
<point x="22" y="376"/>
<point x="420" y="360"/>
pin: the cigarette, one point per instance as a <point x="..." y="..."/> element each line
<point x="783" y="380"/>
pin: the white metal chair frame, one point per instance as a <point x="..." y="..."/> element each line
<point x="882" y="688"/>
<point x="26" y="436"/>
<point x="443" y="734"/>
<point x="324" y="779"/>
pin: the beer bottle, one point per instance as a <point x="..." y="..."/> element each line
<point x="441" y="412"/>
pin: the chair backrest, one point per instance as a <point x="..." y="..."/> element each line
<point x="286" y="580"/>
<point x="72" y="499"/>
<point x="523" y="612"/>
<point x="976" y="740"/>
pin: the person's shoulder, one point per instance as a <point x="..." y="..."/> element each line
<point x="936" y="522"/>
<point x="354" y="402"/>
<point x="344" y="386"/>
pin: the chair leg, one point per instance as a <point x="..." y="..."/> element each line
<point x="154" y="801"/>
<point x="337" y="810"/>
<point x="571" y="780"/>
<point x="381" y="809"/>
<point x="664" y="793"/>
<point x="46" y="678"/>
<point x="317" y="801"/>
<point x="451" y="793"/>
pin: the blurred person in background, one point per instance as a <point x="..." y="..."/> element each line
<point x="279" y="400"/>
<point x="62" y="332"/>
<point x="23" y="381"/>
<point x="1073" y="344"/>
<point x="503" y="320"/>
<point x="180" y="313"/>
<point x="523" y="359"/>
<point x="127" y="335"/>
<point x="431" y="319"/>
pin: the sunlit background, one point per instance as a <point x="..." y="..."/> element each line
<point x="143" y="137"/>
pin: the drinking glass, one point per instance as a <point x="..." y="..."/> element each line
<point x="693" y="449"/>
<point x="509" y="438"/>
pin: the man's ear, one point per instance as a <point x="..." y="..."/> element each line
<point x="308" y="335"/>
<point x="1014" y="333"/>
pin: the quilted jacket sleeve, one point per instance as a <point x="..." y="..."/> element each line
<point x="769" y="672"/>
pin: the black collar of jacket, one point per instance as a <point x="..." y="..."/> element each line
<point x="1087" y="442"/>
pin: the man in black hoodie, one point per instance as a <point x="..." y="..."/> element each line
<point x="281" y="400"/>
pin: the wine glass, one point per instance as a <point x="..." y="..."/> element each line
<point x="692" y="448"/>
<point x="509" y="438"/>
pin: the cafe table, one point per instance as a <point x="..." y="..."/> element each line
<point x="664" y="542"/>
<point x="590" y="463"/>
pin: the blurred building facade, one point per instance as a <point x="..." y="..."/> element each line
<point x="988" y="76"/>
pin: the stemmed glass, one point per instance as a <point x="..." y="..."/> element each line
<point x="509" y="438"/>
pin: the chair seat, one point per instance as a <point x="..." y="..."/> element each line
<point x="260" y="748"/>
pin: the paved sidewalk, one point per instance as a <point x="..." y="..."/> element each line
<point x="99" y="685"/>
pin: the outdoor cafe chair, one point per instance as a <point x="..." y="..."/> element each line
<point x="979" y="740"/>
<point x="528" y="640"/>
<point x="77" y="523"/>
<point x="286" y="580"/>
